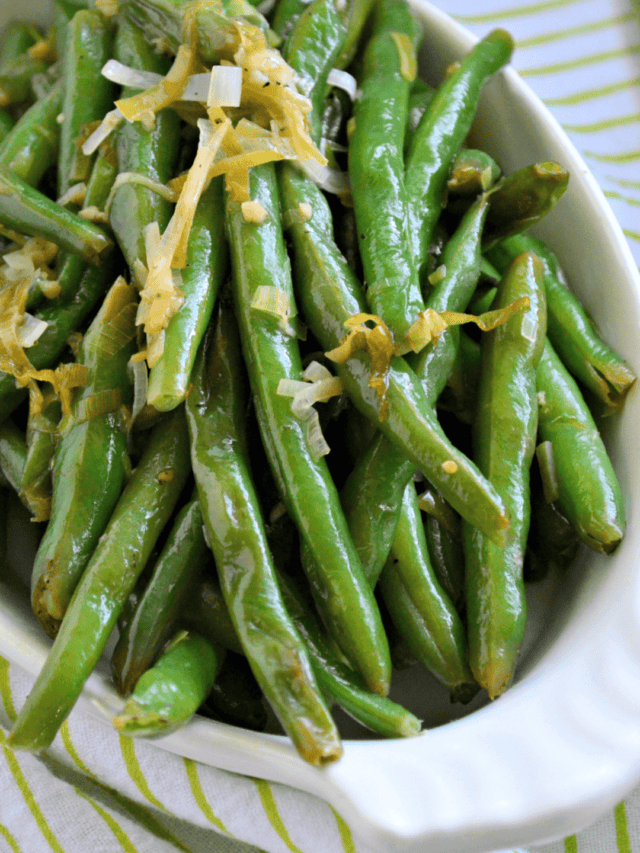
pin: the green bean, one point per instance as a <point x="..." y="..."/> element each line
<point x="89" y="470"/>
<point x="507" y="413"/>
<point x="165" y="20"/>
<point x="553" y="543"/>
<point x="201" y="279"/>
<point x="571" y="331"/>
<point x="138" y="520"/>
<point x="16" y="79"/>
<point x="208" y="614"/>
<point x="339" y="682"/>
<point x="447" y="558"/>
<point x="438" y="639"/>
<point x="376" y="167"/>
<point x="32" y="146"/>
<point x="590" y="495"/>
<point x="6" y="124"/>
<point x="286" y="15"/>
<point x="87" y="94"/>
<point x="312" y="48"/>
<point x="31" y="212"/>
<point x="17" y="38"/>
<point x="181" y="561"/>
<point x="521" y="199"/>
<point x="169" y="694"/>
<point x="330" y="296"/>
<point x="460" y="395"/>
<point x="259" y="258"/>
<point x="36" y="483"/>
<point x="216" y="412"/>
<point x="357" y="17"/>
<point x="441" y="133"/>
<point x="473" y="172"/>
<point x="62" y="319"/>
<point x="13" y="454"/>
<point x="150" y="152"/>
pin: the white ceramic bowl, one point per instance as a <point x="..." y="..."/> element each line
<point x="562" y="745"/>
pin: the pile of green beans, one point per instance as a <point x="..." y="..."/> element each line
<point x="190" y="511"/>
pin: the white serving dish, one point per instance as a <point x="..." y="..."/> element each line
<point x="562" y="746"/>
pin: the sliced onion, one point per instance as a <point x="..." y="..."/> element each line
<point x="132" y="77"/>
<point x="108" y="124"/>
<point x="30" y="331"/>
<point x="326" y="178"/>
<point x="343" y="80"/>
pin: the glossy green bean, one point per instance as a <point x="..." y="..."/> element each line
<point x="176" y="571"/>
<point x="172" y="690"/>
<point x="150" y="152"/>
<point x="201" y="279"/>
<point x="330" y="296"/>
<point x="87" y="95"/>
<point x="216" y="414"/>
<point x="13" y="453"/>
<point x="440" y="642"/>
<point x="62" y="319"/>
<point x="441" y="133"/>
<point x="376" y="167"/>
<point x="590" y="495"/>
<point x="571" y="331"/>
<point x="90" y="464"/>
<point x="32" y="145"/>
<point x="507" y="416"/>
<point x="31" y="212"/>
<point x="259" y="258"/>
<point x="138" y="520"/>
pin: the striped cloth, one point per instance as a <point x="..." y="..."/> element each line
<point x="97" y="791"/>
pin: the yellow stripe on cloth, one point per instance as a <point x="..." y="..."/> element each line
<point x="592" y="94"/>
<point x="576" y="30"/>
<point x="200" y="797"/>
<point x="11" y="841"/>
<point x="578" y="62"/>
<point x="345" y="834"/>
<point x="272" y="813"/>
<point x="134" y="770"/>
<point x="114" y="826"/>
<point x="30" y="800"/>
<point x="5" y="690"/>
<point x="571" y="844"/>
<point x="622" y="830"/>
<point x="514" y="12"/>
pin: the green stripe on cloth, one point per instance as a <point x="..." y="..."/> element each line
<point x="592" y="94"/>
<point x="571" y="844"/>
<point x="11" y="841"/>
<point x="200" y="797"/>
<point x="621" y="157"/>
<point x="623" y="182"/>
<point x="603" y="125"/>
<point x="515" y="12"/>
<point x="631" y="235"/>
<point x="121" y="836"/>
<point x="272" y="813"/>
<point x="622" y="830"/>
<point x="345" y="834"/>
<point x="30" y="800"/>
<point x="578" y="62"/>
<point x="127" y="747"/>
<point x="71" y="750"/>
<point x="137" y="812"/>
<point x="571" y="32"/>
<point x="5" y="690"/>
<point x="635" y="202"/>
